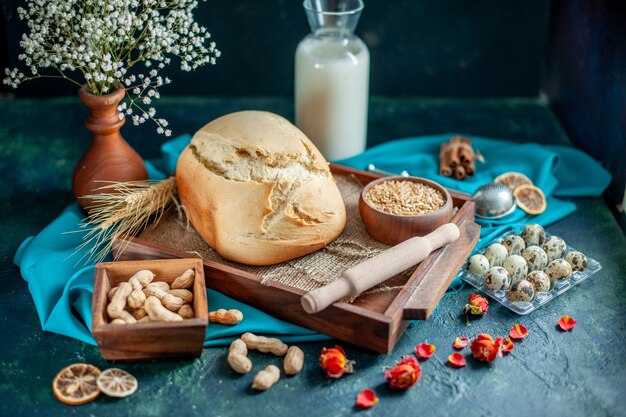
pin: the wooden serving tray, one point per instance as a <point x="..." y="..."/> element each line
<point x="374" y="321"/>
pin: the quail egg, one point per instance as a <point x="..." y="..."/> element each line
<point x="555" y="248"/>
<point x="577" y="260"/>
<point x="516" y="266"/>
<point x="496" y="254"/>
<point x="521" y="291"/>
<point x="558" y="269"/>
<point x="478" y="264"/>
<point x="534" y="234"/>
<point x="514" y="245"/>
<point x="536" y="257"/>
<point x="497" y="278"/>
<point x="539" y="280"/>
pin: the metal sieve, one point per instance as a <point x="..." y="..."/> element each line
<point x="494" y="201"/>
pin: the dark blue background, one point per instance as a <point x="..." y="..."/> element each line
<point x="443" y="47"/>
<point x="572" y="52"/>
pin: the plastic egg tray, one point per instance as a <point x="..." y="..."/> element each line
<point x="541" y="298"/>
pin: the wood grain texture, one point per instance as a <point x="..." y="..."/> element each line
<point x="437" y="272"/>
<point x="392" y="229"/>
<point x="380" y="268"/>
<point x="109" y="157"/>
<point x="152" y="340"/>
<point x="374" y="320"/>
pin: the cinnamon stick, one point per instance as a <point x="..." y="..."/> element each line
<point x="471" y="168"/>
<point x="466" y="152"/>
<point x="457" y="158"/>
<point x="459" y="172"/>
<point x="444" y="160"/>
<point x="454" y="145"/>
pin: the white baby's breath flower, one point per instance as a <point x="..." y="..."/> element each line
<point x="104" y="40"/>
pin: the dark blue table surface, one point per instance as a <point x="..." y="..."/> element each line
<point x="581" y="373"/>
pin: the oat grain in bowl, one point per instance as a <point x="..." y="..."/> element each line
<point x="405" y="198"/>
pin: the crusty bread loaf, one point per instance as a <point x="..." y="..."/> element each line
<point x="257" y="190"/>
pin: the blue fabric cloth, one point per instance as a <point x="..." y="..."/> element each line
<point x="61" y="288"/>
<point x="559" y="171"/>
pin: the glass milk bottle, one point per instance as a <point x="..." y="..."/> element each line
<point x="332" y="79"/>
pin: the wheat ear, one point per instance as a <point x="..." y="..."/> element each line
<point x="126" y="210"/>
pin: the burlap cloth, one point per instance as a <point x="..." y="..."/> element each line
<point x="353" y="246"/>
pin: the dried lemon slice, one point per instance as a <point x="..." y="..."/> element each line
<point x="76" y="384"/>
<point x="115" y="382"/>
<point x="513" y="180"/>
<point x="530" y="199"/>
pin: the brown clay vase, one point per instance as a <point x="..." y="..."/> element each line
<point x="108" y="157"/>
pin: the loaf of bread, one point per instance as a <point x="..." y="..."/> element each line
<point x="257" y="190"/>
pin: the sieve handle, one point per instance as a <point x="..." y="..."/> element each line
<point x="379" y="268"/>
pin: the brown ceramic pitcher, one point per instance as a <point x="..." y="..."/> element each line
<point x="109" y="157"/>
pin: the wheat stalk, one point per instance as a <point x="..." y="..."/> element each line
<point x="126" y="210"/>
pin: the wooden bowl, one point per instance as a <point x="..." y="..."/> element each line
<point x="392" y="229"/>
<point x="151" y="340"/>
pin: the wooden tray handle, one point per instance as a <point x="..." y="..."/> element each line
<point x="436" y="276"/>
<point x="379" y="268"/>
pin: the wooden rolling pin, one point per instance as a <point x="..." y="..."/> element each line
<point x="379" y="268"/>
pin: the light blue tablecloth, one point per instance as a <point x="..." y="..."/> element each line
<point x="61" y="290"/>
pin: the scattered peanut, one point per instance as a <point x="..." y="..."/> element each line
<point x="266" y="378"/>
<point x="186" y="295"/>
<point x="141" y="279"/>
<point x="169" y="301"/>
<point x="162" y="285"/>
<point x="264" y="344"/>
<point x="139" y="313"/>
<point x="294" y="360"/>
<point x="229" y="317"/>
<point x="184" y="281"/>
<point x="127" y="317"/>
<point x="118" y="321"/>
<point x="145" y="319"/>
<point x="186" y="311"/>
<point x="157" y="312"/>
<point x="237" y="357"/>
<point x="111" y="293"/>
<point x="136" y="299"/>
<point x="118" y="301"/>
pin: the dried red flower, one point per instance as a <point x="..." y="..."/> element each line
<point x="457" y="360"/>
<point x="476" y="306"/>
<point x="484" y="348"/>
<point x="334" y="362"/>
<point x="405" y="374"/>
<point x="567" y="323"/>
<point x="505" y="344"/>
<point x="366" y="399"/>
<point x="460" y="343"/>
<point x="518" y="332"/>
<point x="424" y="350"/>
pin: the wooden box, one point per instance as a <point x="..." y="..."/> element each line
<point x="374" y="321"/>
<point x="156" y="340"/>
